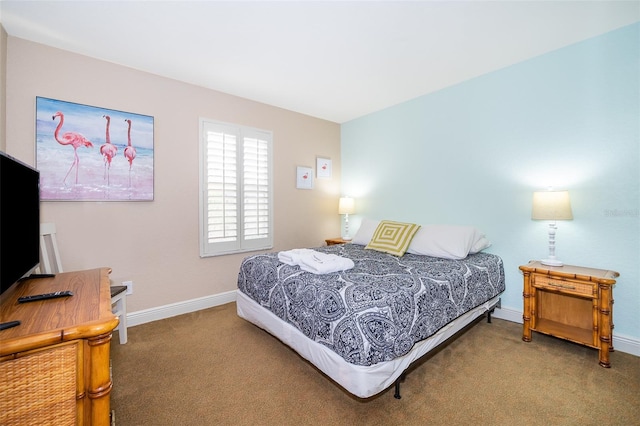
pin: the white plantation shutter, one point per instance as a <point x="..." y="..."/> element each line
<point x="255" y="184"/>
<point x="236" y="206"/>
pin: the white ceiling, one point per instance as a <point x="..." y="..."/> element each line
<point x="329" y="59"/>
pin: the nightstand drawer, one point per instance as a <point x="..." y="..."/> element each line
<point x="565" y="286"/>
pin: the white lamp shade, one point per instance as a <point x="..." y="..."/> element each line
<point x="551" y="205"/>
<point x="346" y="206"/>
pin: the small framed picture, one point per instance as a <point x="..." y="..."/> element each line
<point x="304" y="178"/>
<point x="323" y="168"/>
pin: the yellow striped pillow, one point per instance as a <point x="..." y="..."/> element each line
<point x="393" y="237"/>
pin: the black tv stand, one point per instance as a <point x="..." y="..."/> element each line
<point x="9" y="324"/>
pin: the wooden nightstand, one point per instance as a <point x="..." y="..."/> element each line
<point x="570" y="302"/>
<point x="333" y="241"/>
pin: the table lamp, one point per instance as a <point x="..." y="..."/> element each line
<point x="346" y="207"/>
<point x="552" y="206"/>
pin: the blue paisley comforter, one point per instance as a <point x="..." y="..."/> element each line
<point x="376" y="311"/>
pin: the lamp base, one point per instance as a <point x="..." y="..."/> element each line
<point x="346" y="238"/>
<point x="551" y="262"/>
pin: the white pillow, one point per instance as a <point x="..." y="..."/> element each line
<point x="480" y="245"/>
<point x="448" y="241"/>
<point x="365" y="232"/>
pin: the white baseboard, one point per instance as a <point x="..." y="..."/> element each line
<point x="179" y="308"/>
<point x="508" y="314"/>
<point x="620" y="343"/>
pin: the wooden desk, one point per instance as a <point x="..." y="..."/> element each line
<point x="570" y="302"/>
<point x="54" y="367"/>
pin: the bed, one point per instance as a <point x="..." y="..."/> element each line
<point x="363" y="327"/>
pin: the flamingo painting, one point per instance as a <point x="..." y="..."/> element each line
<point x="101" y="173"/>
<point x="108" y="150"/>
<point x="74" y="139"/>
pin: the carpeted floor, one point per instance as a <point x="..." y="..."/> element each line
<point x="213" y="368"/>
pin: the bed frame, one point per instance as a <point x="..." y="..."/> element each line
<point x="403" y="376"/>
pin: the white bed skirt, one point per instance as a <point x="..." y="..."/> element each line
<point x="361" y="381"/>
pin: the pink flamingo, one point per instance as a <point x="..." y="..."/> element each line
<point x="129" y="151"/>
<point x="70" y="138"/>
<point x="108" y="150"/>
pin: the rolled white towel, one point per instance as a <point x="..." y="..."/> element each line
<point x="292" y="257"/>
<point x="323" y="263"/>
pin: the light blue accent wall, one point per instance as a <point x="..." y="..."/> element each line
<point x="473" y="154"/>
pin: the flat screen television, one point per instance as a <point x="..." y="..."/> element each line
<point x="19" y="220"/>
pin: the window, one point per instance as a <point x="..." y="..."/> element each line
<point x="236" y="212"/>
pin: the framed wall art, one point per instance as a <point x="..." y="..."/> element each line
<point x="304" y="178"/>
<point x="88" y="153"/>
<point x="323" y="168"/>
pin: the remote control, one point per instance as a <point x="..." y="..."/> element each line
<point x="44" y="296"/>
<point x="5" y="325"/>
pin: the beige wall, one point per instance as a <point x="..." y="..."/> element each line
<point x="155" y="244"/>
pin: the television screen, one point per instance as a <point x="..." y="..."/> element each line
<point x="19" y="220"/>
